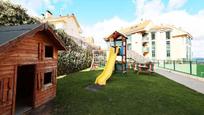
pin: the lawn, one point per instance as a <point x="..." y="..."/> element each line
<point x="126" y="94"/>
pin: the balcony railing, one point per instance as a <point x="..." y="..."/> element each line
<point x="145" y="49"/>
<point x="145" y="38"/>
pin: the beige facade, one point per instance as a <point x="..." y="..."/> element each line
<point x="71" y="26"/>
<point x="159" y="42"/>
<point x="90" y="40"/>
<point x="68" y="23"/>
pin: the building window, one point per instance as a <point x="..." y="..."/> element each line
<point x="188" y="53"/>
<point x="153" y="35"/>
<point x="168" y="51"/>
<point x="129" y="46"/>
<point x="47" y="78"/>
<point x="153" y="53"/>
<point x="188" y="41"/>
<point x="48" y="51"/>
<point x="168" y="35"/>
<point x="144" y="34"/>
<point x="129" y="38"/>
<point x="153" y="49"/>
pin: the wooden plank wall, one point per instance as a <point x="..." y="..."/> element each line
<point x="6" y="88"/>
<point x="27" y="51"/>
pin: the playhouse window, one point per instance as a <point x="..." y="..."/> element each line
<point x="48" y="51"/>
<point x="47" y="78"/>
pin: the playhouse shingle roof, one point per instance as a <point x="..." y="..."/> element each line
<point x="9" y="33"/>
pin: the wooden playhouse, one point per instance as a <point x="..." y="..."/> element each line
<point x="28" y="66"/>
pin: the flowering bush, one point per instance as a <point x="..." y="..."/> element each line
<point x="75" y="58"/>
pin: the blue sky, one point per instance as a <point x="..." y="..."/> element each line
<point x="98" y="18"/>
<point x="92" y="11"/>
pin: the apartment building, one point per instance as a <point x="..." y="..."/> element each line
<point x="159" y="42"/>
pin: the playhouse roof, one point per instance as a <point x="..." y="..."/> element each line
<point x="115" y="36"/>
<point x="10" y="34"/>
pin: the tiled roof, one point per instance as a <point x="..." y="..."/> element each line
<point x="160" y="27"/>
<point x="136" y="28"/>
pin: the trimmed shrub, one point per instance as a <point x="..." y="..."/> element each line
<point x="75" y="58"/>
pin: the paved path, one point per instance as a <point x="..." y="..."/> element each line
<point x="189" y="81"/>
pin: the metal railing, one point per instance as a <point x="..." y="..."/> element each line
<point x="190" y="67"/>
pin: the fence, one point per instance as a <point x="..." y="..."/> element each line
<point x="190" y="67"/>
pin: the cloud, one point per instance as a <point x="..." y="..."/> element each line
<point x="175" y="4"/>
<point x="49" y="4"/>
<point x="148" y="8"/>
<point x="30" y="5"/>
<point x="33" y="6"/>
<point x="101" y="29"/>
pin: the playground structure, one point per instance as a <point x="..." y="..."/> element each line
<point x="118" y="50"/>
<point x="118" y="56"/>
<point x="99" y="59"/>
<point x="119" y="40"/>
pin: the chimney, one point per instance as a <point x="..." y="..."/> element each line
<point x="48" y="14"/>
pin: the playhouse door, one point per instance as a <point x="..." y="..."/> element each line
<point x="25" y="88"/>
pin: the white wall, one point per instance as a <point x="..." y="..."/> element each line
<point x="160" y="45"/>
<point x="137" y="43"/>
<point x="177" y="46"/>
<point x="72" y="29"/>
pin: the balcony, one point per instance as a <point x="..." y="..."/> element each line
<point x="145" y="38"/>
<point x="145" y="49"/>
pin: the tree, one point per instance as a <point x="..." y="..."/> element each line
<point x="14" y="15"/>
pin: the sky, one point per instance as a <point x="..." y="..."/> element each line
<point x="99" y="18"/>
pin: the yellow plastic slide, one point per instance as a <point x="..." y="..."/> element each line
<point x="108" y="70"/>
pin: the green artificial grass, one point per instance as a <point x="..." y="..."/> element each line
<point x="126" y="94"/>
